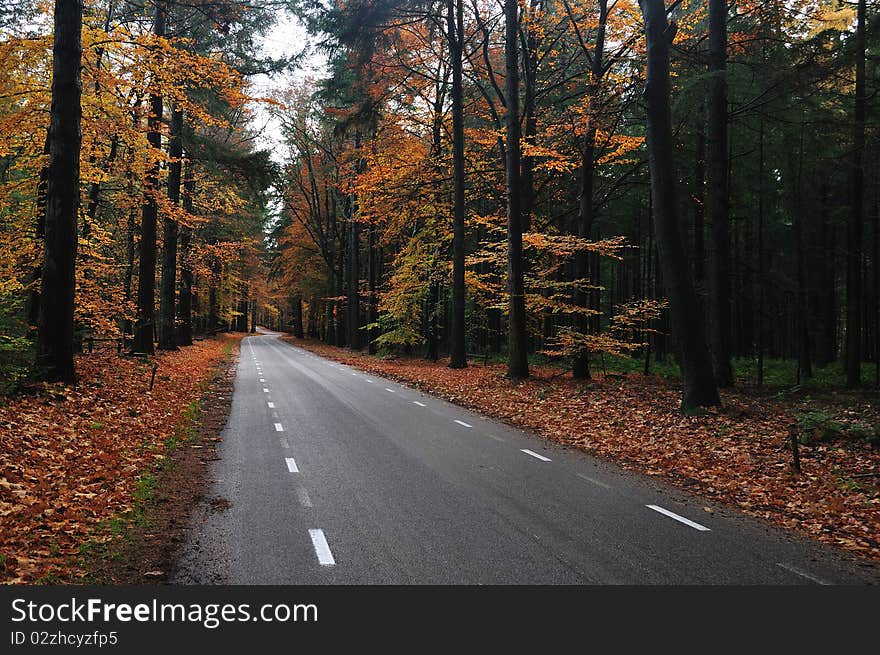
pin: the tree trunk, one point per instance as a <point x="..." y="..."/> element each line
<point x="298" y="317"/>
<point x="856" y="218"/>
<point x="517" y="342"/>
<point x="457" y="336"/>
<point x="699" y="388"/>
<point x="759" y="328"/>
<point x="581" y="365"/>
<point x="372" y="276"/>
<point x="167" y="327"/>
<point x="145" y="324"/>
<point x="716" y="194"/>
<point x="58" y="281"/>
<point x="184" y="293"/>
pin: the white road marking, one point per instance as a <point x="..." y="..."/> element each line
<point x="265" y="390"/>
<point x="803" y="574"/>
<point x="681" y="519"/>
<point x="368" y="380"/>
<point x="271" y="405"/>
<point x="355" y="374"/>
<point x="416" y="402"/>
<point x="322" y="548"/>
<point x="534" y="454"/>
<point x="495" y="437"/>
<point x="593" y="480"/>
<point x="291" y="465"/>
<point x="467" y="425"/>
<point x="262" y="380"/>
<point x="278" y="428"/>
<point x="303" y="496"/>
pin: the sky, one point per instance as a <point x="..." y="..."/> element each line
<point x="287" y="38"/>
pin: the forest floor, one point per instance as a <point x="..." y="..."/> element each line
<point x="740" y="454"/>
<point x="94" y="476"/>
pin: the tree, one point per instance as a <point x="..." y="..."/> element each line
<point x="167" y="313"/>
<point x="144" y="331"/>
<point x="457" y="343"/>
<point x="699" y="388"/>
<point x="517" y="344"/>
<point x="55" y="328"/>
<point x="855" y="223"/>
<point x="716" y="193"/>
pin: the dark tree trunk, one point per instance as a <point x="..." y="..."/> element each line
<point x="759" y="327"/>
<point x="352" y="262"/>
<point x="58" y="282"/>
<point x="517" y="341"/>
<point x="699" y="204"/>
<point x="184" y="293"/>
<point x="146" y="297"/>
<point x="699" y="388"/>
<point x="457" y="336"/>
<point x="372" y="275"/>
<point x="856" y="217"/>
<point x="298" y="317"/>
<point x="581" y="364"/>
<point x="716" y="194"/>
<point x="167" y="314"/>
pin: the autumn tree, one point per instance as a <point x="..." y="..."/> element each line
<point x="699" y="387"/>
<point x="55" y="344"/>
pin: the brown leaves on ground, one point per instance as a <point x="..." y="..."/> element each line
<point x="71" y="457"/>
<point x="739" y="455"/>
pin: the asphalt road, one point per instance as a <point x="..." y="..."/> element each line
<point x="334" y="476"/>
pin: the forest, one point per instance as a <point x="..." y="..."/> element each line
<point x="648" y="230"/>
<point x="606" y="183"/>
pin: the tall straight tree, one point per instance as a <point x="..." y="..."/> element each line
<point x="517" y="343"/>
<point x="58" y="282"/>
<point x="167" y="327"/>
<point x="581" y="365"/>
<point x="854" y="226"/>
<point x="146" y="296"/>
<point x="184" y="336"/>
<point x="699" y="387"/>
<point x="457" y="343"/>
<point x="717" y="209"/>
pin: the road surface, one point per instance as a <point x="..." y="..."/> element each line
<point x="334" y="476"/>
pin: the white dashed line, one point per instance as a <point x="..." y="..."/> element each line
<point x="303" y="496"/>
<point x="803" y="574"/>
<point x="534" y="454"/>
<point x="322" y="548"/>
<point x="271" y="405"/>
<point x="354" y="374"/>
<point x="291" y="465"/>
<point x="495" y="437"/>
<point x="265" y="390"/>
<point x="390" y="390"/>
<point x="592" y="480"/>
<point x="278" y="428"/>
<point x="416" y="402"/>
<point x="262" y="380"/>
<point x="368" y="380"/>
<point x="680" y="519"/>
<point x="467" y="425"/>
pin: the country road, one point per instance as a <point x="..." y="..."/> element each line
<point x="328" y="475"/>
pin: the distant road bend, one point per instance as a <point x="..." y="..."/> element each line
<point x="340" y="477"/>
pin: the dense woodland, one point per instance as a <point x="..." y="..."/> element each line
<point x="695" y="182"/>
